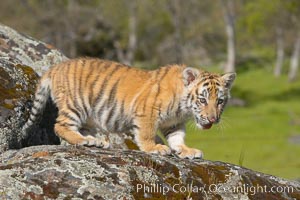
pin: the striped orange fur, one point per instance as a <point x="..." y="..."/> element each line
<point x="113" y="98"/>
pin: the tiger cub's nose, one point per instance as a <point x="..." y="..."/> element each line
<point x="212" y="119"/>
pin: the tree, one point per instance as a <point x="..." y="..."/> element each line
<point x="229" y="16"/>
<point x="279" y="52"/>
<point x="294" y="65"/>
<point x="279" y="10"/>
<point x="127" y="56"/>
<point x="293" y="8"/>
<point x="174" y="8"/>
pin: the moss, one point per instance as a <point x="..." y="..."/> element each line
<point x="12" y="90"/>
<point x="8" y="106"/>
<point x="32" y="195"/>
<point x="7" y="94"/>
<point x="68" y="198"/>
<point x="114" y="160"/>
<point x="5" y="167"/>
<point x="295" y="195"/>
<point x="51" y="190"/>
<point x="26" y="69"/>
<point x="211" y="174"/>
<point x="102" y="179"/>
<point x="131" y="145"/>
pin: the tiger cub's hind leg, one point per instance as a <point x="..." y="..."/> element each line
<point x="68" y="129"/>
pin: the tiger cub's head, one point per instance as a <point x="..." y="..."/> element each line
<point x="206" y="95"/>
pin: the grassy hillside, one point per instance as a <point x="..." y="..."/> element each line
<point x="260" y="135"/>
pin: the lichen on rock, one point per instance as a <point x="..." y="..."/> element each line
<point x="65" y="172"/>
<point x="21" y="49"/>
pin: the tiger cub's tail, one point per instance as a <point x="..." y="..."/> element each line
<point x="40" y="99"/>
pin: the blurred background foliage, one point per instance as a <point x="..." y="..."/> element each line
<point x="260" y="39"/>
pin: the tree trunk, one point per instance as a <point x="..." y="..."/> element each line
<point x="295" y="60"/>
<point x="132" y="40"/>
<point x="279" y="52"/>
<point x="127" y="56"/>
<point x="174" y="8"/>
<point x="72" y="8"/>
<point x="228" y="9"/>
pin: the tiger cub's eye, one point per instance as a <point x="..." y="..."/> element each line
<point x="202" y="100"/>
<point x="220" y="101"/>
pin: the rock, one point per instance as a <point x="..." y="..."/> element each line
<point x="24" y="50"/>
<point x="18" y="55"/>
<point x="73" y="172"/>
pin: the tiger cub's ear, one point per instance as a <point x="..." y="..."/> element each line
<point x="189" y="75"/>
<point x="228" y="79"/>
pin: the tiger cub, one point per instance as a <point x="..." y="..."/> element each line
<point x="115" y="98"/>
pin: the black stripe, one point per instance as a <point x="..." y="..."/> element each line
<point x="171" y="129"/>
<point x="71" y="108"/>
<point x="205" y="84"/>
<point x="90" y="72"/>
<point x="39" y="101"/>
<point x="192" y="99"/>
<point x="134" y="126"/>
<point x="67" y="115"/>
<point x="65" y="124"/>
<point x="68" y="69"/>
<point x="178" y="111"/>
<point x="158" y="71"/>
<point x="81" y="89"/>
<point x="158" y="89"/>
<point x="188" y="96"/>
<point x="144" y="106"/>
<point x="156" y="77"/>
<point x="76" y="88"/>
<point x="121" y="115"/>
<point x="159" y="109"/>
<point x="113" y="92"/>
<point x="111" y="113"/>
<point x="171" y="105"/>
<point x="122" y="110"/>
<point x="41" y="92"/>
<point x="104" y="85"/>
<point x="74" y="80"/>
<point x="101" y="109"/>
<point x="129" y="125"/>
<point x="91" y="97"/>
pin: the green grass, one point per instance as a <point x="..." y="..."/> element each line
<point x="257" y="136"/>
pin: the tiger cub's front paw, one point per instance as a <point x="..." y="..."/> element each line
<point x="190" y="153"/>
<point x="159" y="149"/>
<point x="100" y="142"/>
